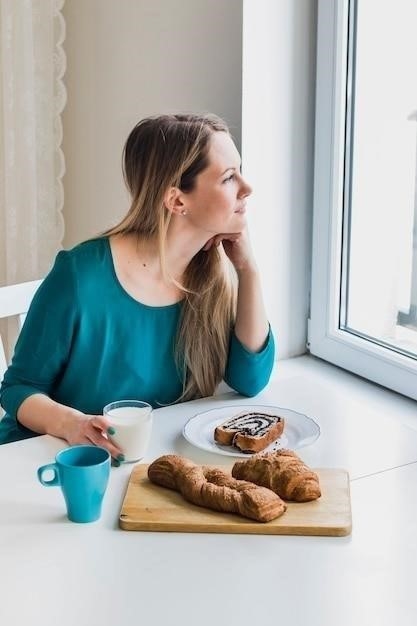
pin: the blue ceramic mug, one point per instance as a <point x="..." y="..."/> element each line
<point x="82" y="472"/>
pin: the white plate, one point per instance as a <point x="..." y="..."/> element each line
<point x="299" y="430"/>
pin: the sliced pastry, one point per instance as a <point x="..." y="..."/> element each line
<point x="250" y="431"/>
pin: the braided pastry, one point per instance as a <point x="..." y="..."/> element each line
<point x="283" y="472"/>
<point x="215" y="489"/>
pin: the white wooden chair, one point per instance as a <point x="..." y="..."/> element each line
<point x="14" y="303"/>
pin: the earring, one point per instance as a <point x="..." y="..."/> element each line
<point x="183" y="212"/>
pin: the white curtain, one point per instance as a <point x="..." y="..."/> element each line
<point x="32" y="97"/>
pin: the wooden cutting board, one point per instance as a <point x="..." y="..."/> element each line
<point x="149" y="507"/>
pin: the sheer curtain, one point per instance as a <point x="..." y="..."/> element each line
<point x="32" y="97"/>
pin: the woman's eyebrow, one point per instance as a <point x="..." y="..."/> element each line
<point x="239" y="167"/>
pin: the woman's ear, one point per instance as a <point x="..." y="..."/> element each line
<point x="173" y="200"/>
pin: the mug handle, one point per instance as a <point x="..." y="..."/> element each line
<point x="54" y="481"/>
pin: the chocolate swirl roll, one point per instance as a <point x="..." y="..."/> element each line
<point x="250" y="431"/>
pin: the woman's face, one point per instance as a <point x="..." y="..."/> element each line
<point x="217" y="202"/>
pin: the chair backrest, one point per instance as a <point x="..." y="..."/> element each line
<point x="14" y="303"/>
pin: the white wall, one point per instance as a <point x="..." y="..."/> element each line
<point x="127" y="59"/>
<point x="277" y="148"/>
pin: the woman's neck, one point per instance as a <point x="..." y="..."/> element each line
<point x="181" y="245"/>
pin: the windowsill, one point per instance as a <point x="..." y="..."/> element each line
<point x="344" y="388"/>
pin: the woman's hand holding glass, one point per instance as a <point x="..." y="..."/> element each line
<point x="92" y="429"/>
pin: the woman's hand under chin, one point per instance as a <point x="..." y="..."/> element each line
<point x="237" y="247"/>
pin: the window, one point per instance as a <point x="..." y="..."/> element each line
<point x="364" y="269"/>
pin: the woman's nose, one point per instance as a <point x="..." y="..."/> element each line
<point x="245" y="189"/>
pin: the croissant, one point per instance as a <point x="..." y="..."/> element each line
<point x="283" y="472"/>
<point x="215" y="489"/>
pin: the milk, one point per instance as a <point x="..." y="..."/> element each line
<point x="133" y="425"/>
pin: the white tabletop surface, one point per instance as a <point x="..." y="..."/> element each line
<point x="55" y="572"/>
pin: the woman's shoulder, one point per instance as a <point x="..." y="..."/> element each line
<point x="91" y="248"/>
<point x="87" y="254"/>
<point x="87" y="259"/>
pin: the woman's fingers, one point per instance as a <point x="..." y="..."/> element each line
<point x="101" y="423"/>
<point x="217" y="239"/>
<point x="208" y="244"/>
<point x="98" y="426"/>
<point x="82" y="440"/>
<point x="98" y="440"/>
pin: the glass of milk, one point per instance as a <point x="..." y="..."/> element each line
<point x="132" y="421"/>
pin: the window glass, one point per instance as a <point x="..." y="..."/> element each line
<point x="379" y="269"/>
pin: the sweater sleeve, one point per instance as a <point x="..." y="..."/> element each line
<point x="45" y="340"/>
<point x="249" y="372"/>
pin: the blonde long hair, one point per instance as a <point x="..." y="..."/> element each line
<point x="170" y="151"/>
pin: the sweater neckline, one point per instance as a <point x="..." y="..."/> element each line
<point x="126" y="294"/>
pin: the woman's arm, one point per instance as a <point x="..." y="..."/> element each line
<point x="45" y="416"/>
<point x="252" y="347"/>
<point x="41" y="354"/>
<point x="251" y="327"/>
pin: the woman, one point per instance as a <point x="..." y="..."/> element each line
<point x="152" y="309"/>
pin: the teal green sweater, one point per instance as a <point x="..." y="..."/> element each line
<point x="86" y="342"/>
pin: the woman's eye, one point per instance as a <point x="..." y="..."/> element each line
<point x="229" y="178"/>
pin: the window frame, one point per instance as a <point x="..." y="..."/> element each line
<point x="326" y="338"/>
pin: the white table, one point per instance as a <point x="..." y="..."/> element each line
<point x="53" y="572"/>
